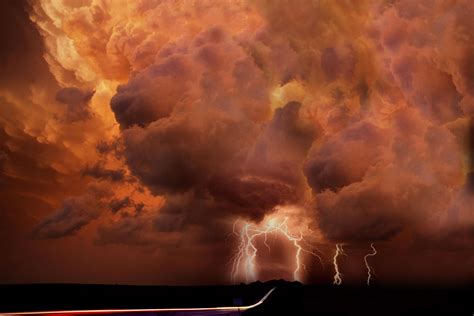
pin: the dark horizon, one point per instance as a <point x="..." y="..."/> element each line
<point x="288" y="298"/>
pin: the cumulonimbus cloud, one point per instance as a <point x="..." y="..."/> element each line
<point x="358" y="112"/>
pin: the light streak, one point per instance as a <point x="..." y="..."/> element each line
<point x="370" y="270"/>
<point x="246" y="254"/>
<point x="338" y="274"/>
<point x="210" y="310"/>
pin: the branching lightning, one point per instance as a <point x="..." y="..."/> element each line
<point x="337" y="275"/>
<point x="370" y="270"/>
<point x="244" y="260"/>
<point x="244" y="263"/>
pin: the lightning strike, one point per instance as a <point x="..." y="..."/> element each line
<point x="337" y="275"/>
<point x="370" y="270"/>
<point x="246" y="254"/>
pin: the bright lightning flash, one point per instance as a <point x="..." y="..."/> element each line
<point x="370" y="270"/>
<point x="244" y="261"/>
<point x="337" y="275"/>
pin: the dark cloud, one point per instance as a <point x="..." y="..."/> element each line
<point x="178" y="155"/>
<point x="153" y="93"/>
<point x="205" y="129"/>
<point x="338" y="62"/>
<point x="74" y="213"/>
<point x="370" y="183"/>
<point x="454" y="228"/>
<point x="269" y="176"/>
<point x="99" y="171"/>
<point x="76" y="102"/>
<point x="106" y="147"/>
<point x="146" y="227"/>
<point x="243" y="176"/>
<point x="283" y="145"/>
<point x="117" y="205"/>
<point x="377" y="208"/>
<point x="250" y="196"/>
<point x="345" y="157"/>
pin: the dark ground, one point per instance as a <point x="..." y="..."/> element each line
<point x="288" y="298"/>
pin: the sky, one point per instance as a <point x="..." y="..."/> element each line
<point x="156" y="141"/>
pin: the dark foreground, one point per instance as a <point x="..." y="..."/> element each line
<point x="288" y="298"/>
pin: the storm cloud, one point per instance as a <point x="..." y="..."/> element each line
<point x="366" y="131"/>
<point x="76" y="103"/>
<point x="189" y="115"/>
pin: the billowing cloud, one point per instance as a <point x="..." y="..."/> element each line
<point x="98" y="171"/>
<point x="196" y="113"/>
<point x="73" y="214"/>
<point x="345" y="157"/>
<point x="76" y="103"/>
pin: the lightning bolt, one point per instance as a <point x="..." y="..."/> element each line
<point x="370" y="270"/>
<point x="337" y="275"/>
<point x="246" y="254"/>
